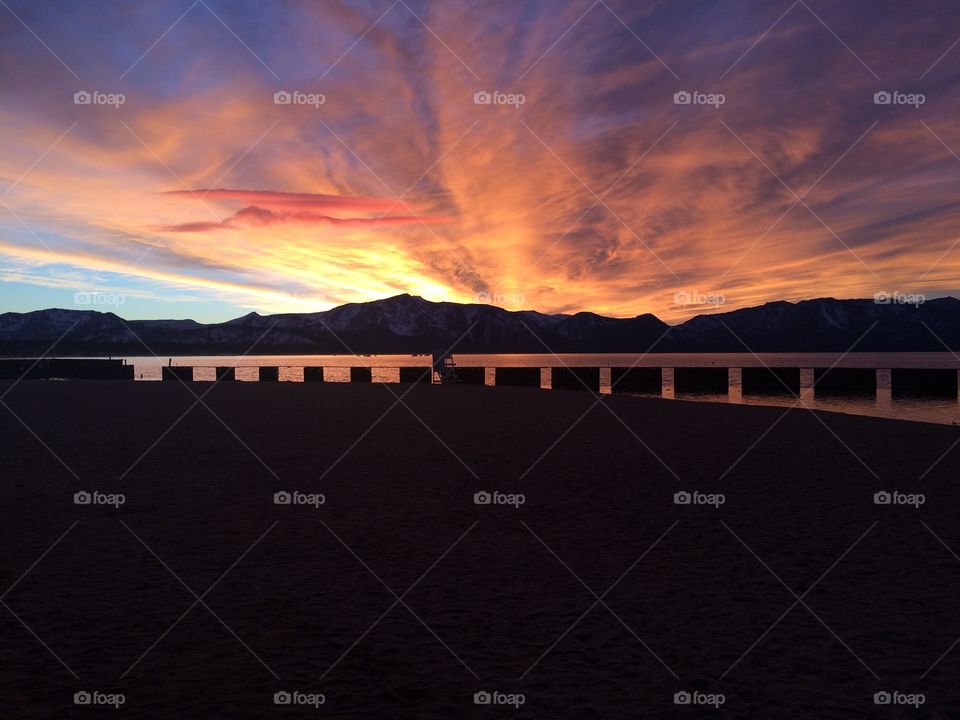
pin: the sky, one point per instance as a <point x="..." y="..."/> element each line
<point x="208" y="158"/>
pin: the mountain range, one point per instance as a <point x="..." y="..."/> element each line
<point x="409" y="324"/>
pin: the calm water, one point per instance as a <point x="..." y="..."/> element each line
<point x="935" y="410"/>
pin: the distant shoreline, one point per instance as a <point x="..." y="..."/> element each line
<point x="406" y="324"/>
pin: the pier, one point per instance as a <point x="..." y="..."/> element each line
<point x="655" y="381"/>
<point x="65" y="369"/>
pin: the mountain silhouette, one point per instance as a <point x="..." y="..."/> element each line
<point x="409" y="324"/>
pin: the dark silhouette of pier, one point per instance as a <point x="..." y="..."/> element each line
<point x="65" y="369"/>
<point x="712" y="380"/>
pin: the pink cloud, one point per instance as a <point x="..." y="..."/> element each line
<point x="295" y="201"/>
<point x="255" y="216"/>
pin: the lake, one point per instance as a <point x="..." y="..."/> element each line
<point x="936" y="410"/>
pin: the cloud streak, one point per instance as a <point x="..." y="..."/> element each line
<point x="285" y="208"/>
<point x="291" y="200"/>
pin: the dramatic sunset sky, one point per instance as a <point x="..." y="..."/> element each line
<point x="200" y="197"/>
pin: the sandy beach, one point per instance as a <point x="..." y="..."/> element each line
<point x="400" y="597"/>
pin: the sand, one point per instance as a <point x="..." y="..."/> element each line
<point x="495" y="589"/>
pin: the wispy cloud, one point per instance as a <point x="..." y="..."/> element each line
<point x="296" y="209"/>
